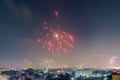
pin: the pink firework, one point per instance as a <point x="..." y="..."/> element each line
<point x="56" y="40"/>
<point x="56" y="13"/>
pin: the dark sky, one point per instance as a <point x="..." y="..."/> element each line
<point x="95" y="25"/>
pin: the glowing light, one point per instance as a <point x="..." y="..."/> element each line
<point x="56" y="13"/>
<point x="56" y="35"/>
<point x="56" y="40"/>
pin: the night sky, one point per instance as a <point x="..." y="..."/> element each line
<point x="95" y="25"/>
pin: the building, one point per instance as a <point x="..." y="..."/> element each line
<point x="116" y="76"/>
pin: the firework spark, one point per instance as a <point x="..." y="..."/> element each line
<point x="56" y="40"/>
<point x="56" y="13"/>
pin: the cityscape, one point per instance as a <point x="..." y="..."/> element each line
<point x="57" y="74"/>
<point x="59" y="40"/>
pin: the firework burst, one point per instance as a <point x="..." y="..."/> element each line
<point x="56" y="40"/>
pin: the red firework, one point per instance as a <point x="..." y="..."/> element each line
<point x="56" y="13"/>
<point x="56" y="40"/>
